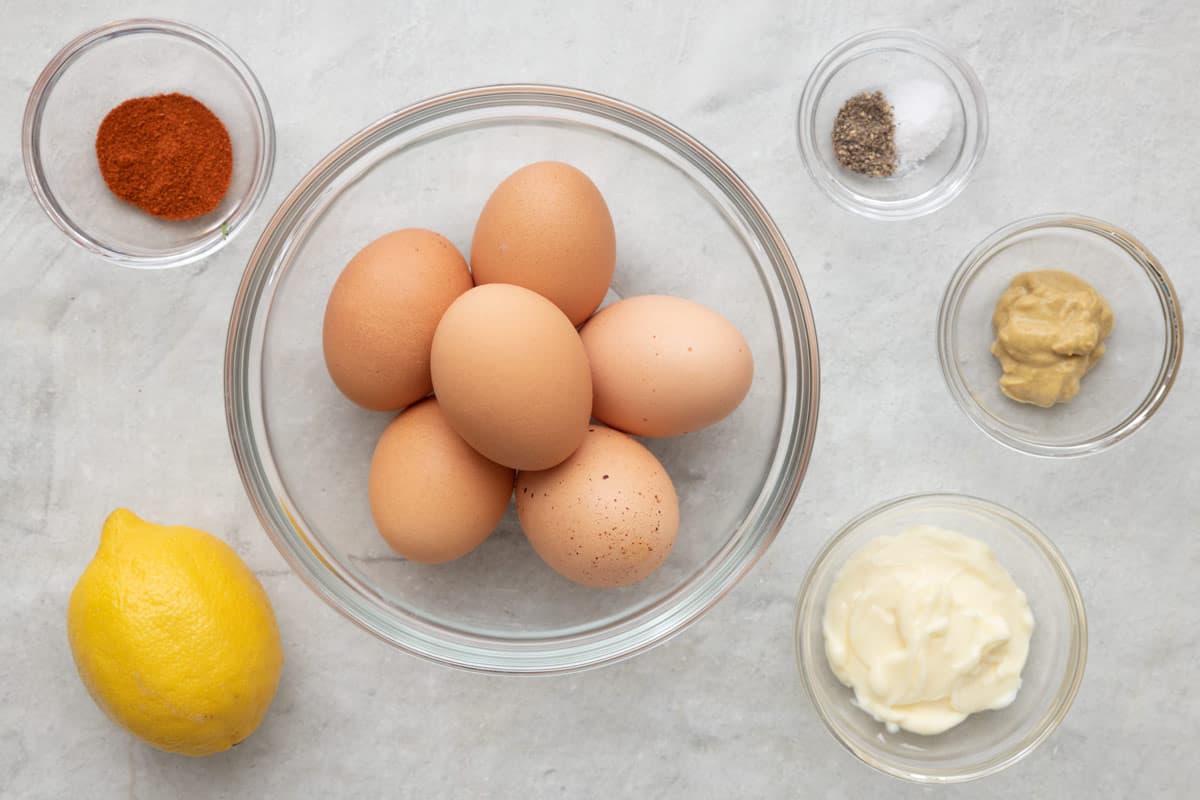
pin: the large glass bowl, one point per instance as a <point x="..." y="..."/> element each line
<point x="686" y="225"/>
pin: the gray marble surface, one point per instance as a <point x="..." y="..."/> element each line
<point x="113" y="395"/>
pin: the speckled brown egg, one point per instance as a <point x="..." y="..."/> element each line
<point x="607" y="516"/>
<point x="664" y="366"/>
<point x="546" y="227"/>
<point x="433" y="497"/>
<point x="512" y="377"/>
<point x="382" y="312"/>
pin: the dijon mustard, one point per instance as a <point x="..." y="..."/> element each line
<point x="1050" y="330"/>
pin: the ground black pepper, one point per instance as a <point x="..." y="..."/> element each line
<point x="864" y="135"/>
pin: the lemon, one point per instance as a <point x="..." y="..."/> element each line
<point x="174" y="637"/>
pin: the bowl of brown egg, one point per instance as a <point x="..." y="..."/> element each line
<point x="522" y="379"/>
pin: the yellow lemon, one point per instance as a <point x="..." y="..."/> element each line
<point x="174" y="637"/>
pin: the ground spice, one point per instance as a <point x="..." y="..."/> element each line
<point x="864" y="135"/>
<point x="168" y="154"/>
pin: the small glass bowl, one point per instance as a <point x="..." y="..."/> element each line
<point x="986" y="742"/>
<point x="1121" y="391"/>
<point x="877" y="61"/>
<point x="101" y="69"/>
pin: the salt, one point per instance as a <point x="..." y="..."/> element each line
<point x="923" y="116"/>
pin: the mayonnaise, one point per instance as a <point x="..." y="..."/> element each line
<point x="927" y="627"/>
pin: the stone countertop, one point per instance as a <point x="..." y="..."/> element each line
<point x="114" y="397"/>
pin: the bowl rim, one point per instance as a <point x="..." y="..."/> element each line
<point x="613" y="640"/>
<point x="31" y="147"/>
<point x="978" y="258"/>
<point x="807" y="605"/>
<point x="929" y="201"/>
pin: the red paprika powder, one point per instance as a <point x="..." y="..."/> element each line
<point x="168" y="154"/>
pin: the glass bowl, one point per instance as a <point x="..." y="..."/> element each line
<point x="884" y="61"/>
<point x="1123" y="389"/>
<point x="101" y="69"/>
<point x="985" y="742"/>
<point x="686" y="225"/>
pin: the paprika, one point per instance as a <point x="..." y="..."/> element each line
<point x="168" y="154"/>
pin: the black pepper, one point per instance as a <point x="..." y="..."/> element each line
<point x="864" y="135"/>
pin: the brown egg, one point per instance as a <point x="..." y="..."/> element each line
<point x="382" y="312"/>
<point x="663" y="366"/>
<point x="547" y="228"/>
<point x="607" y="516"/>
<point x="434" y="498"/>
<point x="512" y="376"/>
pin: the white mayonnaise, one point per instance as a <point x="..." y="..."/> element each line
<point x="927" y="627"/>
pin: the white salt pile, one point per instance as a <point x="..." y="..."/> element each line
<point x="923" y="116"/>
